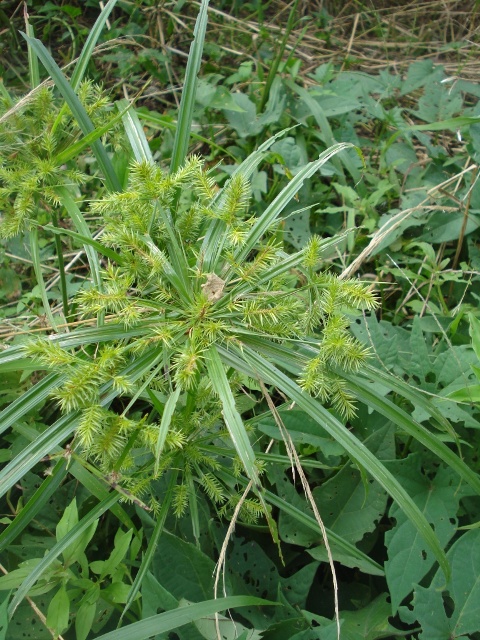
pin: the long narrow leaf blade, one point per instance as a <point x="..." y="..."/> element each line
<point x="89" y="46"/>
<point x="78" y="111"/>
<point x="355" y="448"/>
<point x="34" y="505"/>
<point x="168" y="412"/>
<point x="61" y="545"/>
<point x="135" y="133"/>
<point x="29" y="400"/>
<point x="35" y="451"/>
<point x="232" y="418"/>
<point x="185" y="114"/>
<point x="173" y="620"/>
<point x="272" y="212"/>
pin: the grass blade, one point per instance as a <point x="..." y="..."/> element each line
<point x="82" y="228"/>
<point x="76" y="148"/>
<point x="61" y="545"/>
<point x="87" y="240"/>
<point x="215" y="237"/>
<point x="89" y="46"/>
<point x="78" y="111"/>
<point x="272" y="212"/>
<point x="168" y="412"/>
<point x="35" y="451"/>
<point x="135" y="132"/>
<point x="37" y="267"/>
<point x="173" y="620"/>
<point x="354" y="447"/>
<point x="420" y="433"/>
<point x="232" y="418"/>
<point x="33" y="69"/>
<point x="34" y="505"/>
<point x="185" y="114"/>
<point x="153" y="542"/>
<point x="29" y="400"/>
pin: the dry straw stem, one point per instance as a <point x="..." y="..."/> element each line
<point x="374" y="35"/>
<point x="400" y="217"/>
<point x="296" y="467"/>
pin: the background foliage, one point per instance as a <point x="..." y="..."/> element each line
<point x="116" y="471"/>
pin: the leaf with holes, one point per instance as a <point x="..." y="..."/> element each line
<point x="409" y="559"/>
<point x="459" y="615"/>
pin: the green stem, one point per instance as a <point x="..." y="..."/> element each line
<point x="37" y="267"/>
<point x="61" y="268"/>
<point x="272" y="74"/>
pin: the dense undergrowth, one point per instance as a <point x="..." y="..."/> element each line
<point x="240" y="384"/>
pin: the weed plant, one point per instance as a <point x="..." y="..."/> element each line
<point x="203" y="366"/>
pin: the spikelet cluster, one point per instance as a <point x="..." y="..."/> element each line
<point x="171" y="295"/>
<point x="33" y="133"/>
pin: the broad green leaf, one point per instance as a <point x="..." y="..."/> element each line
<point x="446" y="226"/>
<point x="172" y="620"/>
<point x="244" y="117"/>
<point x="116" y="592"/>
<point x="84" y="619"/>
<point x="188" y="561"/>
<point x="59" y="611"/>
<point x="468" y="394"/>
<point x="409" y="559"/>
<point x="289" y="502"/>
<point x="475" y="334"/>
<point x="347" y="506"/>
<point x="121" y="545"/>
<point x="63" y="544"/>
<point x="67" y="521"/>
<point x="463" y="589"/>
<point x="187" y="103"/>
<point x="369" y="623"/>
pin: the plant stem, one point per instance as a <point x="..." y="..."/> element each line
<point x="272" y="74"/>
<point x="37" y="267"/>
<point x="61" y="268"/>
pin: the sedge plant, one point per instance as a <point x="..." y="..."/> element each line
<point x="197" y="305"/>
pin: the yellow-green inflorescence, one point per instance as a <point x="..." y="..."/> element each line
<point x="171" y="301"/>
